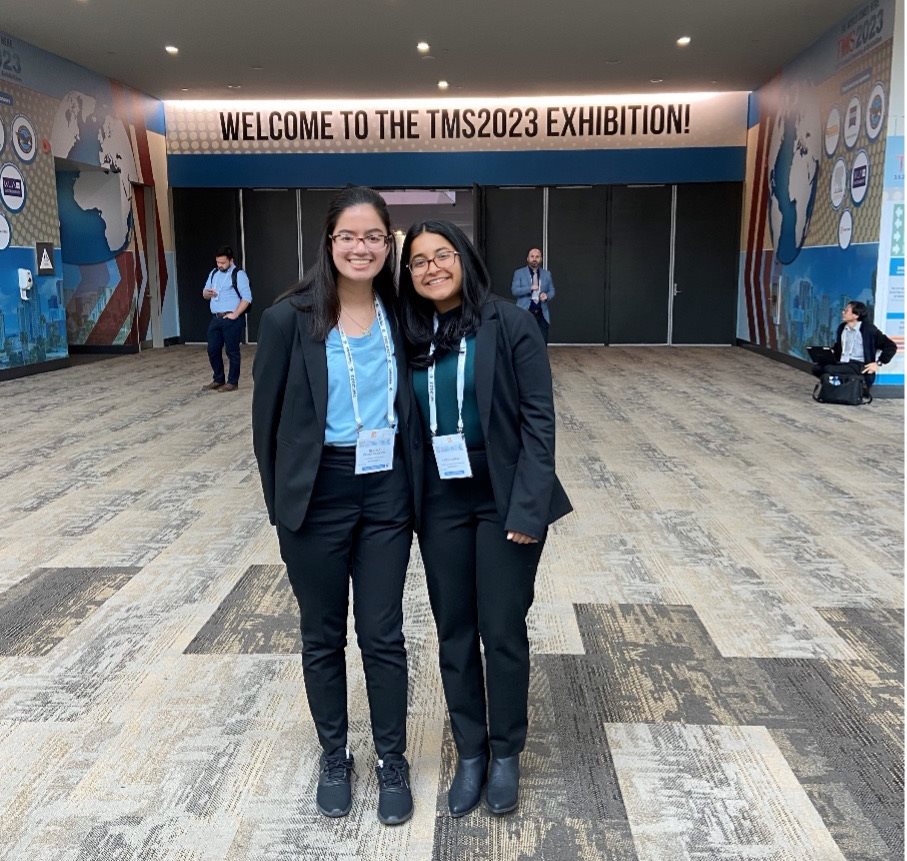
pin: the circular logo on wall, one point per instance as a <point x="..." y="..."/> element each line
<point x="875" y="112"/>
<point x="832" y="131"/>
<point x="24" y="141"/>
<point x="838" y="183"/>
<point x="5" y="233"/>
<point x="845" y="229"/>
<point x="852" y="122"/>
<point x="12" y="187"/>
<point x="859" y="177"/>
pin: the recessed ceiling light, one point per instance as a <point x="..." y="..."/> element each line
<point x="656" y="80"/>
<point x="256" y="68"/>
<point x="184" y="89"/>
<point x="234" y="86"/>
<point x="172" y="49"/>
<point x="443" y="85"/>
<point x="423" y="47"/>
<point x="683" y="41"/>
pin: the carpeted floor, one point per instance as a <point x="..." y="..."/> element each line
<point x="717" y="633"/>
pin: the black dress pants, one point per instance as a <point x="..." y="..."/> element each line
<point x="480" y="586"/>
<point x="223" y="332"/>
<point x="357" y="527"/>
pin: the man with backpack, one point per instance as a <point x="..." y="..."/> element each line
<point x="229" y="294"/>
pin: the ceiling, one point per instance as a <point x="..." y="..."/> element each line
<point x="367" y="48"/>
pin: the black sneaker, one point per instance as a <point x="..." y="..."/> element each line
<point x="395" y="800"/>
<point x="335" y="797"/>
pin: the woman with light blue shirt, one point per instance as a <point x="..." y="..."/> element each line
<point x="333" y="439"/>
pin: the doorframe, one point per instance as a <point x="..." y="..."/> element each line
<point x="672" y="284"/>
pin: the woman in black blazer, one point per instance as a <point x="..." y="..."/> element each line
<point x="330" y="415"/>
<point x="485" y="493"/>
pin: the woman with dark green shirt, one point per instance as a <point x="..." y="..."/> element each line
<point x="485" y="494"/>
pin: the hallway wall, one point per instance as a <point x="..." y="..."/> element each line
<point x="824" y="173"/>
<point x="76" y="146"/>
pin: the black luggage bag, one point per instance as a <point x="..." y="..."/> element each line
<point x="841" y="389"/>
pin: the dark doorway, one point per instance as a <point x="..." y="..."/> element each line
<point x="638" y="264"/>
<point x="576" y="258"/>
<point x="706" y="252"/>
<point x="203" y="220"/>
<point x="314" y="205"/>
<point x="514" y="223"/>
<point x="271" y="242"/>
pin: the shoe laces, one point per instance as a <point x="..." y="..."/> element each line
<point x="392" y="774"/>
<point x="337" y="767"/>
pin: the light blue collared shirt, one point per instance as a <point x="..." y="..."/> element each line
<point x="852" y="344"/>
<point x="370" y="362"/>
<point x="226" y="299"/>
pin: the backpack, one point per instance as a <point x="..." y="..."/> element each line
<point x="236" y="269"/>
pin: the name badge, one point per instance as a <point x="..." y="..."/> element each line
<point x="451" y="456"/>
<point x="375" y="451"/>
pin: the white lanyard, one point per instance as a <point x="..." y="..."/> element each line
<point x="354" y="389"/>
<point x="461" y="385"/>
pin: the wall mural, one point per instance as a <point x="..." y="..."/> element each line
<point x="815" y="185"/>
<point x="111" y="140"/>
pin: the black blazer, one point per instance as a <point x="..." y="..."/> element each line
<point x="289" y="407"/>
<point x="516" y="411"/>
<point x="874" y="340"/>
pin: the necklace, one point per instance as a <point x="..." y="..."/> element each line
<point x="364" y="331"/>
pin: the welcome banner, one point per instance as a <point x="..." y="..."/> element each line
<point x="600" y="122"/>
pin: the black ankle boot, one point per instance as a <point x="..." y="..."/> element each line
<point x="465" y="791"/>
<point x="503" y="792"/>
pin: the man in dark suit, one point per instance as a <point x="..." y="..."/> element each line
<point x="534" y="289"/>
<point x="860" y="347"/>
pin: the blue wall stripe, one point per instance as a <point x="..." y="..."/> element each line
<point x="438" y="170"/>
<point x="752" y="110"/>
<point x="154" y="117"/>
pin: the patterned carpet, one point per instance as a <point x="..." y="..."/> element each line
<point x="717" y="634"/>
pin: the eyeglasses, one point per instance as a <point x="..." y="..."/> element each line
<point x="444" y="259"/>
<point x="350" y="240"/>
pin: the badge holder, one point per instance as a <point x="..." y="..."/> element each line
<point x="374" y="446"/>
<point x="451" y="455"/>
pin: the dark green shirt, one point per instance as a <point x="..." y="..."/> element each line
<point x="446" y="396"/>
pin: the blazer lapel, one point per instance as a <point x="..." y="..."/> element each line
<point x="486" y="352"/>
<point x="316" y="366"/>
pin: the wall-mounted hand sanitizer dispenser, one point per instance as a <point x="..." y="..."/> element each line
<point x="26" y="282"/>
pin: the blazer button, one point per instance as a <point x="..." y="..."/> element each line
<point x="417" y="444"/>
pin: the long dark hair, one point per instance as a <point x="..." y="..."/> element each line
<point x="317" y="292"/>
<point x="418" y="313"/>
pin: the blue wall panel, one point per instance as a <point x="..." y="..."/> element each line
<point x="440" y="170"/>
